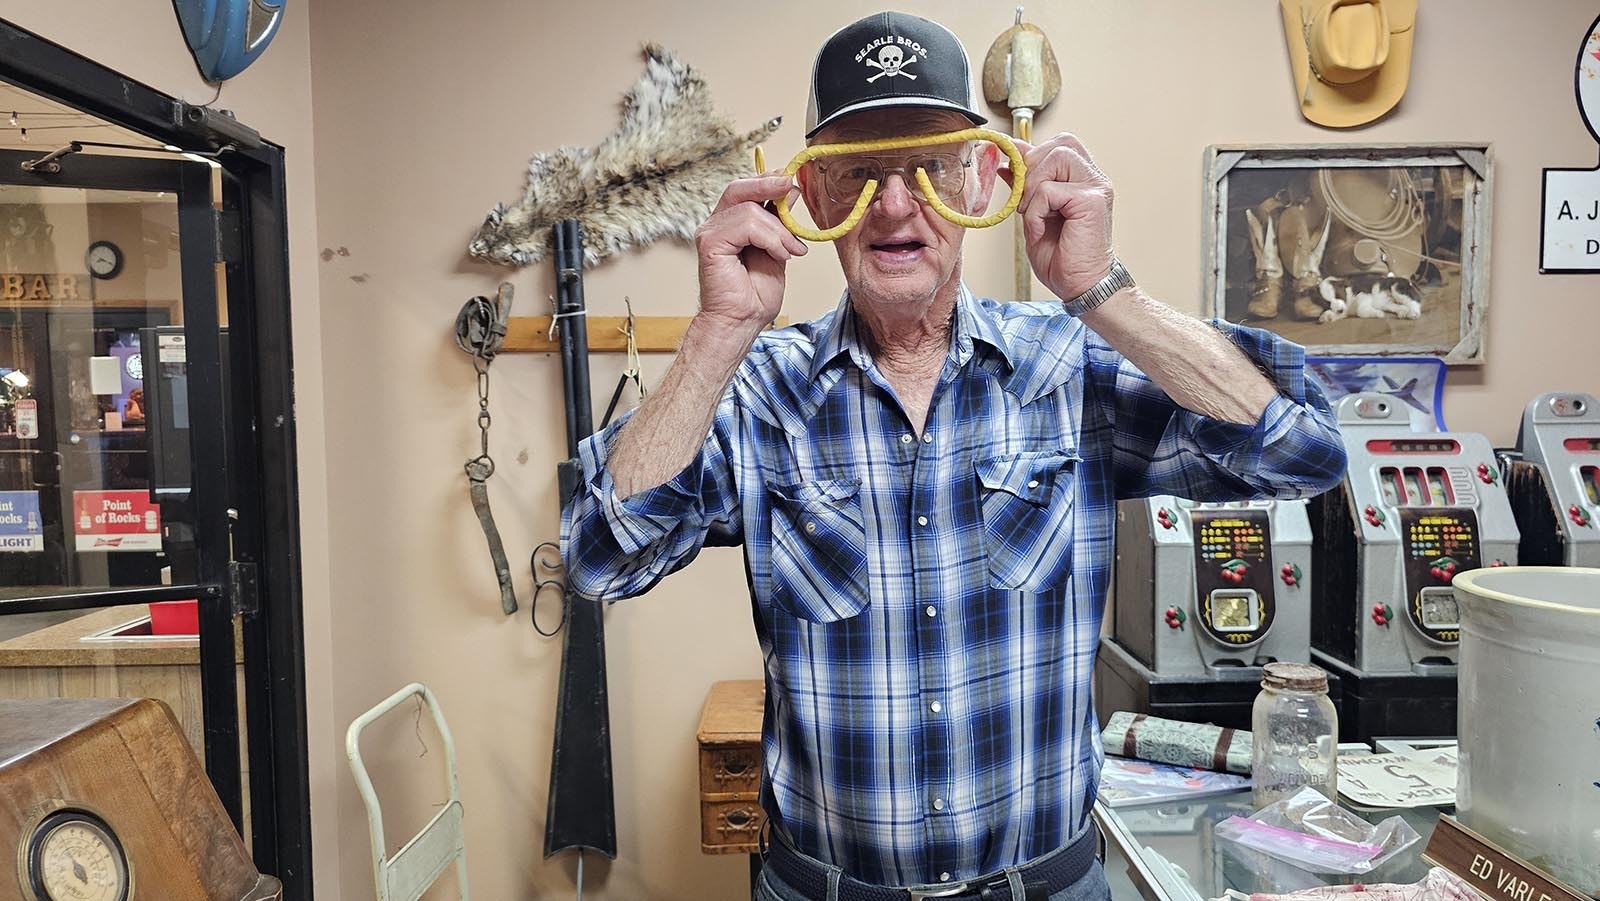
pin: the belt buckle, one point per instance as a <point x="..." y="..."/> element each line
<point x="948" y="891"/>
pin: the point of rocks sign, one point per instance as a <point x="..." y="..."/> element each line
<point x="1570" y="233"/>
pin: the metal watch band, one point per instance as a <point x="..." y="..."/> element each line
<point x="1102" y="291"/>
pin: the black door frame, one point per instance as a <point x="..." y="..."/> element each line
<point x="251" y="237"/>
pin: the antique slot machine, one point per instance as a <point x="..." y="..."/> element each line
<point x="1555" y="486"/>
<point x="1414" y="509"/>
<point x="1206" y="594"/>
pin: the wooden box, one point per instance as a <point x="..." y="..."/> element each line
<point x="122" y="772"/>
<point x="731" y="818"/>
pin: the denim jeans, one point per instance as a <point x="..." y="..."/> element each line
<point x="1092" y="887"/>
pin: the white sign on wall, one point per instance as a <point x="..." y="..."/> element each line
<point x="27" y="415"/>
<point x="1570" y="228"/>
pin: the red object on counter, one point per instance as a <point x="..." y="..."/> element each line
<point x="175" y="618"/>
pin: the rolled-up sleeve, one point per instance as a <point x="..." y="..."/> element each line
<point x="616" y="548"/>
<point x="1293" y="450"/>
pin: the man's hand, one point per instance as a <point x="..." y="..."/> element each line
<point x="1066" y="215"/>
<point x="743" y="249"/>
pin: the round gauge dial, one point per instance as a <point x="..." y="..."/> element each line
<point x="74" y="856"/>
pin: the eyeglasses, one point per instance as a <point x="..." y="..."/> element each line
<point x="932" y="177"/>
<point x="844" y="179"/>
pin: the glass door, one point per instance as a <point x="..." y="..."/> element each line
<point x="114" y="492"/>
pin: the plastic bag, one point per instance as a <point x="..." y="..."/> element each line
<point x="1440" y="885"/>
<point x="1315" y="834"/>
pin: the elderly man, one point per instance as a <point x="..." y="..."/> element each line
<point x="925" y="485"/>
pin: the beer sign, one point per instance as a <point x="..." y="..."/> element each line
<point x="115" y="521"/>
<point x="21" y="530"/>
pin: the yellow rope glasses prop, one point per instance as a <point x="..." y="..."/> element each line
<point x="819" y="151"/>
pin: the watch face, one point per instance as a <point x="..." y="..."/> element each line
<point x="74" y="856"/>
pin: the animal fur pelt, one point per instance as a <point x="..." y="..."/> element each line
<point x="659" y="174"/>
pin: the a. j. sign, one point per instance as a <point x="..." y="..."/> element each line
<point x="1570" y="233"/>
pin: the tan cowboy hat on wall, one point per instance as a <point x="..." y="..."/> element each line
<point x="1350" y="58"/>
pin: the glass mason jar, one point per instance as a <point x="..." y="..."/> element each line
<point x="1295" y="733"/>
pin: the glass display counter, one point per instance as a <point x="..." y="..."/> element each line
<point x="1163" y="846"/>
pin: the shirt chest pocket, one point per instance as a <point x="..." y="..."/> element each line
<point x="819" y="549"/>
<point x="1027" y="518"/>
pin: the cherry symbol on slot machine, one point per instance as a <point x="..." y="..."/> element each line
<point x="1290" y="574"/>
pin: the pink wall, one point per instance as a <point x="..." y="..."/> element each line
<point x="425" y="115"/>
<point x="424" y="123"/>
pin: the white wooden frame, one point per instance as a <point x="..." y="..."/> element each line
<point x="1476" y="162"/>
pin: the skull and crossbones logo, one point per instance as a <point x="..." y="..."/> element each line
<point x="891" y="61"/>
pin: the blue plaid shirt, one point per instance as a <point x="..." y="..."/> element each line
<point x="928" y="606"/>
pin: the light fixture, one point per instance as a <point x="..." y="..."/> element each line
<point x="13" y="119"/>
<point x="16" y="378"/>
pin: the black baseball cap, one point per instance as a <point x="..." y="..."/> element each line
<point x="890" y="59"/>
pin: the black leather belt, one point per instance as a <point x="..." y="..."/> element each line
<point x="1040" y="878"/>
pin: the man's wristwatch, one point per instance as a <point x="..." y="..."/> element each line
<point x="1102" y="291"/>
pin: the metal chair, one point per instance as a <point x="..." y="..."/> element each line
<point x="421" y="861"/>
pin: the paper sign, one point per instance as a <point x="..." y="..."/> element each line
<point x="105" y="375"/>
<point x="1570" y="225"/>
<point x="1425" y="778"/>
<point x="1571" y="221"/>
<point x="27" y="418"/>
<point x="115" y="521"/>
<point x="20" y="528"/>
<point x="172" y="348"/>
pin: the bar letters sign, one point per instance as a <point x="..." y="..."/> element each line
<point x="1570" y="225"/>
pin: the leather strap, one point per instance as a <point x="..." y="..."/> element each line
<point x="478" y="474"/>
<point x="481" y="331"/>
<point x="481" y="324"/>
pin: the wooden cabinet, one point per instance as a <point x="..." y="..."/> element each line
<point x="731" y="818"/>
